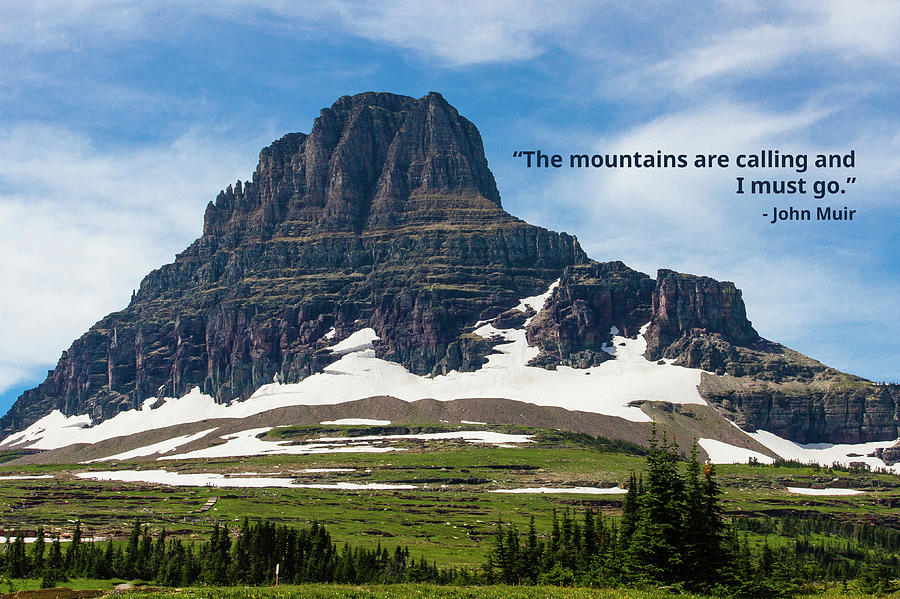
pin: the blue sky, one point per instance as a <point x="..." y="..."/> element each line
<point x="120" y="121"/>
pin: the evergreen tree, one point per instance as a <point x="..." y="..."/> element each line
<point x="37" y="553"/>
<point x="53" y="569"/>
<point x="589" y="537"/>
<point x="132" y="551"/>
<point x="240" y="562"/>
<point x="72" y="552"/>
<point x="654" y="552"/>
<point x="16" y="560"/>
<point x="630" y="510"/>
<point x="159" y="555"/>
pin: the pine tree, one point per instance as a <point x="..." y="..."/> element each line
<point x="132" y="551"/>
<point x="240" y="562"/>
<point x="159" y="555"/>
<point x="73" y="549"/>
<point x="532" y="553"/>
<point x="630" y="511"/>
<point x="37" y="553"/>
<point x="16" y="560"/>
<point x="654" y="553"/>
<point x="589" y="546"/>
<point x="54" y="566"/>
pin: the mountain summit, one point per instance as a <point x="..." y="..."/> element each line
<point x="383" y="230"/>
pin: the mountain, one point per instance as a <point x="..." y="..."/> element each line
<point x="383" y="229"/>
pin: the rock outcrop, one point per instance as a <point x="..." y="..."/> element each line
<point x="831" y="408"/>
<point x="702" y="323"/>
<point x="589" y="300"/>
<point x="684" y="305"/>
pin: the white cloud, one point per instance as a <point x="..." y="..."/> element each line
<point x="466" y="32"/>
<point x="80" y="226"/>
<point x="866" y="28"/>
<point x="764" y="42"/>
<point x="460" y="33"/>
<point x="71" y="24"/>
<point x="739" y="52"/>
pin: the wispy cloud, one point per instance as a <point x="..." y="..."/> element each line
<point x="461" y="33"/>
<point x="830" y="33"/>
<point x="70" y="24"/>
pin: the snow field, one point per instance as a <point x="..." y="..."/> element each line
<point x="725" y="453"/>
<point x="357" y="421"/>
<point x="829" y="491"/>
<point x="206" y="479"/>
<point x="825" y="454"/>
<point x="247" y="443"/>
<point x="583" y="490"/>
<point x="161" y="447"/>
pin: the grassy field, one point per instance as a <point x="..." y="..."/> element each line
<point x="449" y="516"/>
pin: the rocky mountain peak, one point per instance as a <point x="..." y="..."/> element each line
<point x="371" y="161"/>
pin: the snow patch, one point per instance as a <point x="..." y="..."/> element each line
<point x="324" y="470"/>
<point x="207" y="479"/>
<point x="26" y="477"/>
<point x="247" y="443"/>
<point x="825" y="454"/>
<point x="829" y="491"/>
<point x="583" y="490"/>
<point x="471" y="422"/>
<point x="536" y="302"/>
<point x="52" y="430"/>
<point x="59" y="431"/>
<point x="469" y="436"/>
<point x="161" y="447"/>
<point x="358" y="341"/>
<point x="330" y="334"/>
<point x="48" y="540"/>
<point x="357" y="421"/>
<point x="725" y="453"/>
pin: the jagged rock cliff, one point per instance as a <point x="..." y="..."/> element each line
<point x="589" y="300"/>
<point x="387" y="216"/>
<point x="702" y="323"/>
<point x="685" y="304"/>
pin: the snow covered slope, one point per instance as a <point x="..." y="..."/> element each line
<point x="611" y="389"/>
<point x="605" y="389"/>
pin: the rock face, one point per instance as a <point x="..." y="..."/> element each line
<point x="686" y="304"/>
<point x="827" y="409"/>
<point x="386" y="216"/>
<point x="702" y="323"/>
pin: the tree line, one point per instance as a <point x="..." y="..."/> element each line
<point x="260" y="552"/>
